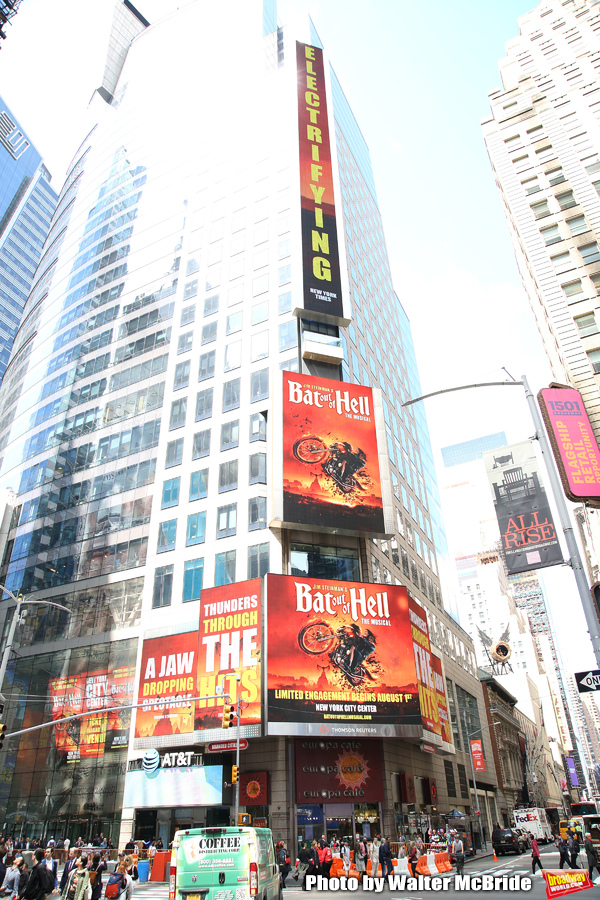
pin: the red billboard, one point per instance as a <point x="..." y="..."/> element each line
<point x="341" y="659"/>
<point x="320" y="255"/>
<point x="338" y="771"/>
<point x="331" y="476"/>
<point x="442" y="702"/>
<point x="573" y="442"/>
<point x="477" y="755"/>
<point x="176" y="667"/>
<point x="92" y="692"/>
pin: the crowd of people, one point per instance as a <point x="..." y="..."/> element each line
<point x="98" y="840"/>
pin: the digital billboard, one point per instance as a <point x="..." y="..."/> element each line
<point x="529" y="539"/>
<point x="179" y="786"/>
<point x="320" y="254"/>
<point x="341" y="660"/>
<point x="167" y="684"/>
<point x="331" y="471"/>
<point x="573" y="442"/>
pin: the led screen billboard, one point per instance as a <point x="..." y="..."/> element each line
<point x="341" y="660"/>
<point x="331" y="471"/>
<point x="182" y="786"/>
<point x="320" y="254"/>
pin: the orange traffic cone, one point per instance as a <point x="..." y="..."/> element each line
<point x="495" y="857"/>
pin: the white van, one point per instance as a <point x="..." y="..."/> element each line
<point x="534" y="821"/>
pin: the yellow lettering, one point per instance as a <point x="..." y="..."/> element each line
<point x="319" y="217"/>
<point x="311" y="82"/>
<point x="309" y="52"/>
<point x="321" y="268"/>
<point x="320" y="242"/>
<point x="250" y="684"/>
<point x="314" y="134"/>
<point x="312" y="99"/>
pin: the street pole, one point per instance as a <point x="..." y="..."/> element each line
<point x="13" y="627"/>
<point x="468" y="735"/>
<point x="237" y="762"/>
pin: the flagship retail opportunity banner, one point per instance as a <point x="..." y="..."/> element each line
<point x="331" y="474"/>
<point x="527" y="530"/>
<point x="320" y="257"/>
<point x="178" y="667"/>
<point x="477" y="755"/>
<point x="341" y="659"/>
<point x="573" y="443"/>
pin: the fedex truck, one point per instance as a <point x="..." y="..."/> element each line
<point x="534" y="821"/>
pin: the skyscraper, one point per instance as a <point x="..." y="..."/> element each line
<point x="144" y="434"/>
<point x="27" y="203"/>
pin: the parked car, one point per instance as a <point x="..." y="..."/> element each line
<point x="526" y="837"/>
<point x="507" y="840"/>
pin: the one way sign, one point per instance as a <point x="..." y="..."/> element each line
<point x="588" y="681"/>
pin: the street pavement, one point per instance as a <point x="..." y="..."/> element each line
<point x="480" y="865"/>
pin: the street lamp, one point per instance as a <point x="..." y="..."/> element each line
<point x="13" y="627"/>
<point x="469" y="735"/>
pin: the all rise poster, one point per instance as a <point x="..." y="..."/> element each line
<point x="331" y="475"/>
<point x="340" y="659"/>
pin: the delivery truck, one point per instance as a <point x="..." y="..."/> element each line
<point x="534" y="821"/>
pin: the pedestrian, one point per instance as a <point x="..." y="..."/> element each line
<point x="387" y="867"/>
<point x="325" y="860"/>
<point x="323" y="841"/>
<point x="561" y="846"/>
<point x="2" y="862"/>
<point x="592" y="854"/>
<point x="283" y="861"/>
<point x="458" y="851"/>
<point x="69" y="866"/>
<point x="130" y="844"/>
<point x="78" y="881"/>
<point x="67" y="844"/>
<point x="23" y="877"/>
<point x="345" y="853"/>
<point x="35" y="886"/>
<point x="313" y="863"/>
<point x="412" y="857"/>
<point x="535" y="857"/>
<point x="573" y="846"/>
<point x="360" y="858"/>
<point x="374" y="857"/>
<point x="302" y="864"/>
<point x="131" y="868"/>
<point x="10" y="885"/>
<point x="126" y="880"/>
<point x="97" y="867"/>
<point x="159" y="844"/>
<point x="52" y="866"/>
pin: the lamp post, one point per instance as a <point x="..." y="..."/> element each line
<point x="13" y="627"/>
<point x="469" y="735"/>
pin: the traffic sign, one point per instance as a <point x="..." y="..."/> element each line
<point x="224" y="746"/>
<point x="588" y="681"/>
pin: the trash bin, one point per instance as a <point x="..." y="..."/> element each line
<point x="143" y="868"/>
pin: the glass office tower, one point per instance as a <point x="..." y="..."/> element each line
<point x="143" y="411"/>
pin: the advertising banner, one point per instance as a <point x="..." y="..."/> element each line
<point x="320" y="255"/>
<point x="338" y="771"/>
<point x="565" y="881"/>
<point x="424" y="670"/>
<point x="442" y="702"/>
<point x="254" y="789"/>
<point x="92" y="692"/>
<point x="167" y="681"/>
<point x="527" y="530"/>
<point x="229" y="641"/>
<point x="182" y="786"/>
<point x="477" y="755"/>
<point x="572" y="771"/>
<point x="573" y="442"/>
<point x="331" y="475"/>
<point x="341" y="659"/>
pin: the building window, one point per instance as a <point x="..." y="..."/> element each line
<point x="555" y="176"/>
<point x="258" y="427"/>
<point x="258" y="468"/>
<point x="201" y="446"/>
<point x="551" y="235"/>
<point x="196" y="528"/>
<point x="204" y="404"/>
<point x="211" y="305"/>
<point x="450" y="782"/>
<point x="566" y="200"/>
<point x="234" y="323"/>
<point x="199" y="484"/>
<point x="572" y="288"/>
<point x="316" y="561"/>
<point x="167" y="532"/>
<point x="405" y="563"/>
<point x="288" y="335"/>
<point x="191" y="289"/>
<point x="257" y="513"/>
<point x="590" y="253"/>
<point x="178" y="411"/>
<point x="285" y="303"/>
<point x="184" y="342"/>
<point x="230" y="434"/>
<point x="259" y="346"/>
<point x="259" y="385"/>
<point x="225" y="568"/>
<point x="577" y="225"/>
<point x="561" y="262"/>
<point x="163" y="585"/>
<point x="228" y="476"/>
<point x="594" y="358"/>
<point x="207" y="366"/>
<point x="170" y="493"/>
<point x="233" y="356"/>
<point x="174" y="453"/>
<point x="182" y="375"/>
<point x="285" y="275"/>
<point x="586" y="324"/>
<point x="258" y="560"/>
<point x="260" y="312"/>
<point x="226" y="520"/>
<point x="193" y="571"/>
<point x="188" y="315"/>
<point x="209" y="332"/>
<point x="540" y="209"/>
<point x="531" y="185"/>
<point x="231" y="394"/>
<point x="462" y="780"/>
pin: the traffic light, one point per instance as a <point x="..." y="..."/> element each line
<point x="228" y="715"/>
<point x="234" y="774"/>
<point x="2" y="734"/>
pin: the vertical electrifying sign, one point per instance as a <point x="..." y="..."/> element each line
<point x="477" y="755"/>
<point x="527" y="530"/>
<point x="320" y="258"/>
<point x="573" y="442"/>
<point x="440" y="686"/>
<point x="428" y="699"/>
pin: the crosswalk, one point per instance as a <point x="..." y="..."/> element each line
<point x="151" y="890"/>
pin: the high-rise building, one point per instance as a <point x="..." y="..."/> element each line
<point x="143" y="432"/>
<point x="27" y="204"/>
